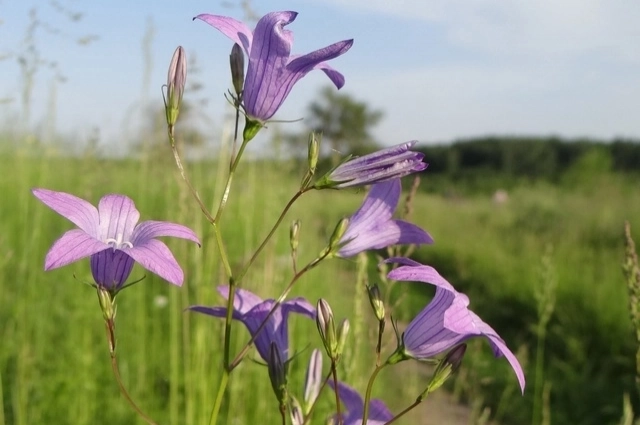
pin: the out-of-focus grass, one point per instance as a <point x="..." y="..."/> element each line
<point x="54" y="362"/>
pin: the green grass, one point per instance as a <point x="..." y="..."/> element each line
<point x="54" y="361"/>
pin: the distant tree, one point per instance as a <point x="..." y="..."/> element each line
<point x="345" y="123"/>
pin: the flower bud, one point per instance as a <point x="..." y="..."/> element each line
<point x="338" y="233"/>
<point x="294" y="231"/>
<point x="313" y="380"/>
<point x="176" y="80"/>
<point x="314" y="151"/>
<point x="327" y="327"/>
<point x="447" y="367"/>
<point x="297" y="417"/>
<point x="343" y="331"/>
<point x="277" y="373"/>
<point x="107" y="303"/>
<point x="376" y="302"/>
<point x="236" y="60"/>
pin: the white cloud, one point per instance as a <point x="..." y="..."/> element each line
<point x="544" y="28"/>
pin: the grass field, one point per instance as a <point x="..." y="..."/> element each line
<point x="54" y="361"/>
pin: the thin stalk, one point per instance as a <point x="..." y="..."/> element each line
<point x="255" y="255"/>
<point x="334" y="373"/>
<point x="379" y="344"/>
<point x="367" y="397"/>
<point x="221" y="389"/>
<point x="116" y="372"/>
<point x="223" y="252"/>
<point x="405" y="411"/>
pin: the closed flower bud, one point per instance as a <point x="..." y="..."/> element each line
<point x="294" y="231"/>
<point x="447" y="367"/>
<point x="277" y="373"/>
<point x="313" y="380"/>
<point x="236" y="60"/>
<point x="295" y="410"/>
<point x="327" y="327"/>
<point x="343" y="332"/>
<point x="376" y="302"/>
<point x="176" y="80"/>
<point x="107" y="304"/>
<point x="338" y="232"/>
<point x="314" y="151"/>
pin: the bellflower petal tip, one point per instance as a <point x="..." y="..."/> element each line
<point x="372" y="226"/>
<point x="446" y="321"/>
<point x="379" y="414"/>
<point x="113" y="238"/>
<point x="272" y="70"/>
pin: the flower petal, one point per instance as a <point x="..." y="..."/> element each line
<point x="72" y="246"/>
<point x="299" y="66"/>
<point x="244" y="300"/>
<point x="111" y="268"/>
<point x="237" y="31"/>
<point x="264" y="90"/>
<point x="213" y="311"/>
<point x="77" y="210"/>
<point x="301" y="306"/>
<point x="420" y="273"/>
<point x="118" y="217"/>
<point x="152" y="229"/>
<point x="156" y="257"/>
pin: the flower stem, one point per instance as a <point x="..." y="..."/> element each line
<point x="253" y="258"/>
<point x="221" y="389"/>
<point x="367" y="397"/>
<point x="405" y="411"/>
<point x="334" y="373"/>
<point x="110" y="325"/>
<point x="194" y="192"/>
<point x="203" y="208"/>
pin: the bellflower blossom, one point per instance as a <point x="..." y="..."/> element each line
<point x="372" y="227"/>
<point x="380" y="166"/>
<point x="445" y="321"/>
<point x="252" y="310"/>
<point x="273" y="71"/>
<point x="354" y="404"/>
<point x="114" y="239"/>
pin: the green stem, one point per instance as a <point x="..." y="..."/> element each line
<point x="334" y="372"/>
<point x="221" y="389"/>
<point x="405" y="411"/>
<point x="203" y="208"/>
<point x="116" y="373"/>
<point x="227" y="187"/>
<point x="253" y="258"/>
<point x="367" y="397"/>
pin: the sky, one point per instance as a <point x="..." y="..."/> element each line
<point x="440" y="70"/>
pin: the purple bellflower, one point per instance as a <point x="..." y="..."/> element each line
<point x="354" y="404"/>
<point x="380" y="166"/>
<point x="252" y="310"/>
<point x="113" y="238"/>
<point x="446" y="321"/>
<point x="372" y="227"/>
<point x="272" y="70"/>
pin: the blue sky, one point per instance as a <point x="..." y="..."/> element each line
<point x="440" y="69"/>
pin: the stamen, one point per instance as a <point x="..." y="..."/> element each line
<point x="118" y="243"/>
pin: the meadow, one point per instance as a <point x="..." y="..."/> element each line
<point x="548" y="249"/>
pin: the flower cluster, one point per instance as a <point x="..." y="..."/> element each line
<point x="112" y="238"/>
